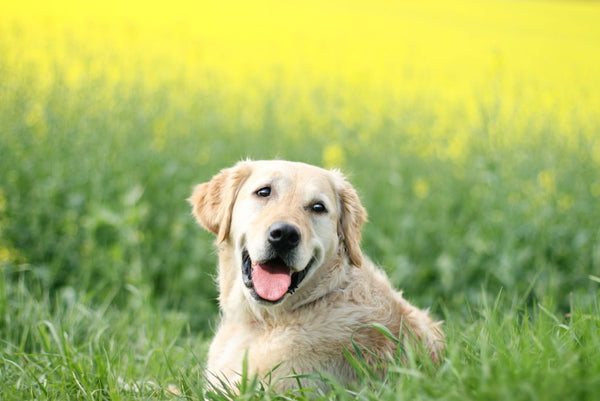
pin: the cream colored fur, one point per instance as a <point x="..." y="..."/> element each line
<point x="340" y="298"/>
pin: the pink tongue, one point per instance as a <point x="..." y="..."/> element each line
<point x="271" y="280"/>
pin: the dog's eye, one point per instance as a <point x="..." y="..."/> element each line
<point x="264" y="192"/>
<point x="318" y="208"/>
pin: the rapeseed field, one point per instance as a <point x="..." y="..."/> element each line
<point x="522" y="62"/>
<point x="471" y="130"/>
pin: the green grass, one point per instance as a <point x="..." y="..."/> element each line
<point x="65" y="349"/>
<point x="107" y="289"/>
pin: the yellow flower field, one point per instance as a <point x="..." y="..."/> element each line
<point x="527" y="61"/>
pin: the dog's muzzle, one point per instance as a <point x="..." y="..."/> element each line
<point x="270" y="280"/>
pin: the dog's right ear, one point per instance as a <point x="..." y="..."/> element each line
<point x="212" y="202"/>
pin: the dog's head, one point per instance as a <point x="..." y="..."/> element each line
<point x="283" y="221"/>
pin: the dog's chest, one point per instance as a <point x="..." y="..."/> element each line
<point x="266" y="346"/>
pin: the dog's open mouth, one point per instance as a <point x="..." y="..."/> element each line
<point x="271" y="280"/>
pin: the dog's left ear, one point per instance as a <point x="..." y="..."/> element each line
<point x="212" y="202"/>
<point x="353" y="216"/>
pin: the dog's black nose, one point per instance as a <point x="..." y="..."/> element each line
<point x="283" y="236"/>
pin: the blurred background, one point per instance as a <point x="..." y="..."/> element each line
<point x="471" y="130"/>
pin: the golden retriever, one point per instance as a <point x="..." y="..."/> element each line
<point x="295" y="288"/>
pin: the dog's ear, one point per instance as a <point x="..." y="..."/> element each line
<point x="352" y="217"/>
<point x="212" y="202"/>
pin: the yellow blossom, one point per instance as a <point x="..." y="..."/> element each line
<point x="421" y="188"/>
<point x="333" y="156"/>
<point x="547" y="181"/>
<point x="565" y="202"/>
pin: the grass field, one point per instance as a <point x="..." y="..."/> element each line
<point x="471" y="130"/>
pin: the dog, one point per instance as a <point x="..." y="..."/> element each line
<point x="296" y="293"/>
